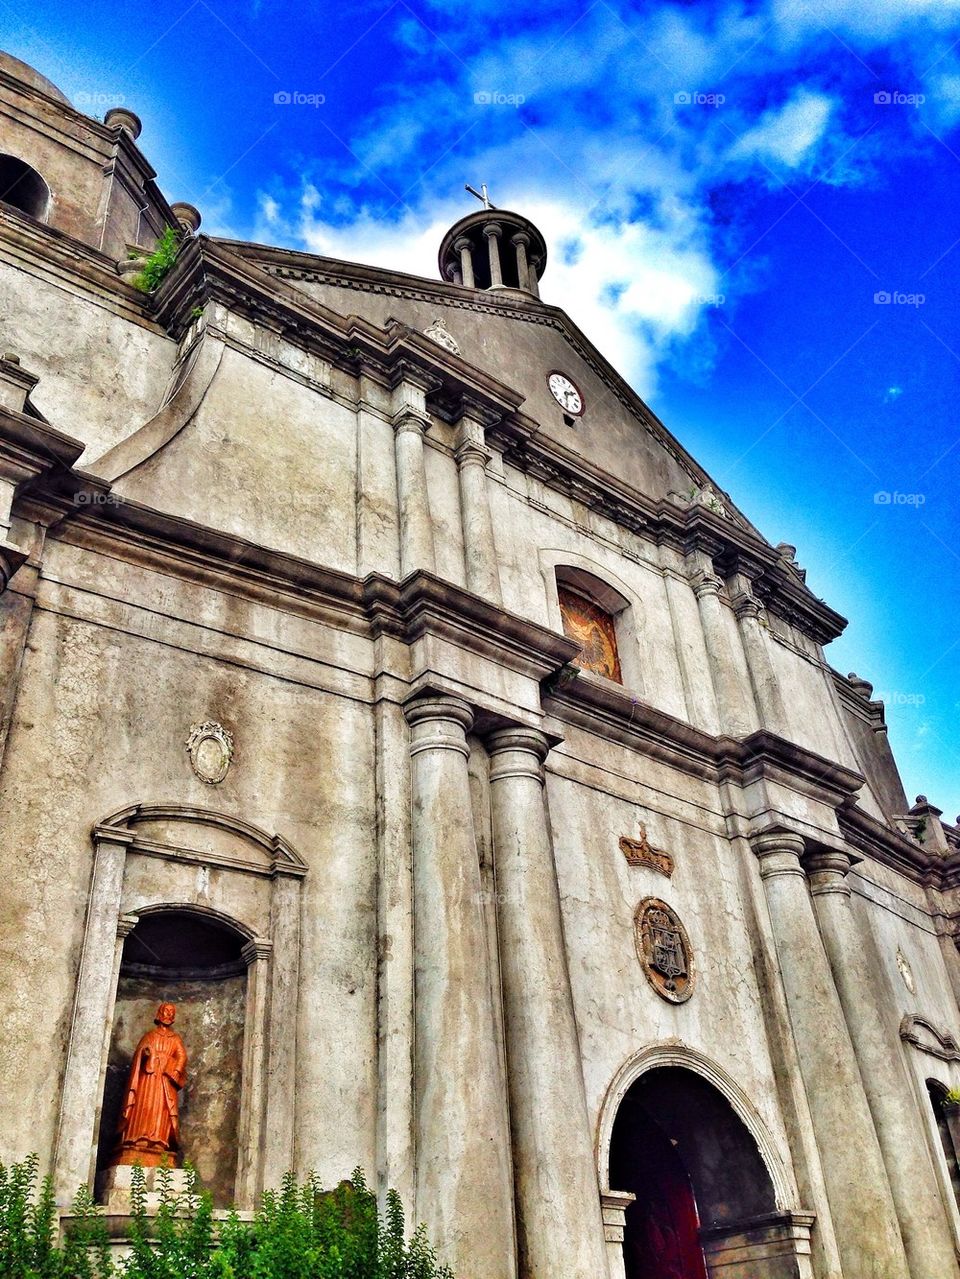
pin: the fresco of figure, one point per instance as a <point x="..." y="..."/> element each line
<point x="149" y="1128"/>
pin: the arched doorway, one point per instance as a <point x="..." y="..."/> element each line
<point x="696" y="1172"/>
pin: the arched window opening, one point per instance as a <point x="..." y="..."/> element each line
<point x="588" y="609"/>
<point x="23" y="188"/>
<point x="948" y="1128"/>
<point x="193" y="960"/>
<point x="697" y="1176"/>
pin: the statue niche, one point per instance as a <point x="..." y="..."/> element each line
<point x="149" y="1129"/>
<point x="190" y="963"/>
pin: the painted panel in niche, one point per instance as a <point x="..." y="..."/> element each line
<point x="593" y="629"/>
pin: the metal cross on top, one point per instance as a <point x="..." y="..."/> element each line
<point x="481" y="194"/>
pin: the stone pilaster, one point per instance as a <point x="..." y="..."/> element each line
<point x="279" y="1155"/>
<point x="493" y="232"/>
<point x="763" y="678"/>
<point x="464" y="1177"/>
<point x="251" y="1137"/>
<point x="860" y="1200"/>
<point x="885" y="1081"/>
<point x="614" y="1205"/>
<point x="479" y="549"/>
<point x="560" y="1227"/>
<point x="89" y="1042"/>
<point x="410" y="423"/>
<point x="724" y="675"/>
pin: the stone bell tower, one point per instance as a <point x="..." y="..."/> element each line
<point x="494" y="249"/>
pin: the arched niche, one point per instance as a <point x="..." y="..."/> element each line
<point x="691" y="1177"/>
<point x="212" y="895"/>
<point x="23" y="188"/>
<point x="194" y="959"/>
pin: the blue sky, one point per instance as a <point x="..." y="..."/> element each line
<point x="729" y="191"/>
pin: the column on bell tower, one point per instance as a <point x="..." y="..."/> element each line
<point x="464" y="247"/>
<point x="493" y="231"/>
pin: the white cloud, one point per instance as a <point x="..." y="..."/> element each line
<point x="787" y="134"/>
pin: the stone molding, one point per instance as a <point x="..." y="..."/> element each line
<point x="929" y="1038"/>
<point x="675" y="1052"/>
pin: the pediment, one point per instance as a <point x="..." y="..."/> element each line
<point x="923" y="1034"/>
<point x="183" y="833"/>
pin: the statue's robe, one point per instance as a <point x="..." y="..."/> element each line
<point x="149" y="1129"/>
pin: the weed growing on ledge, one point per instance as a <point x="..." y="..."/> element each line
<point x="156" y="266"/>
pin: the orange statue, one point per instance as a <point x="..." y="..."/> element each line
<point x="149" y="1128"/>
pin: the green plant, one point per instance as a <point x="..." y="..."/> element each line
<point x="300" y="1232"/>
<point x="952" y="1097"/>
<point x="159" y="262"/>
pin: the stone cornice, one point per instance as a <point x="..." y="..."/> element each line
<point x="65" y="259"/>
<point x="600" y="706"/>
<point x="898" y="851"/>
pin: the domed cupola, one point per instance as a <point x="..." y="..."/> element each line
<point x="494" y="249"/>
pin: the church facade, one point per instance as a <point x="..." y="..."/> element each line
<point x="387" y="689"/>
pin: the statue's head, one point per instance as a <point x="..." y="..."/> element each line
<point x="165" y="1015"/>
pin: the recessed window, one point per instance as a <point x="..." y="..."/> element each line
<point x="594" y="629"/>
<point x="23" y="187"/>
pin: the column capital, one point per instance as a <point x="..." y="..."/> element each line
<point x="779" y="852"/>
<point x="407" y="420"/>
<point x="517" y="752"/>
<point x="827" y="871"/>
<point x="126" y="924"/>
<point x="462" y="242"/>
<point x="747" y="606"/>
<point x="520" y="237"/>
<point x="707" y="584"/>
<point x="256" y="950"/>
<point x="493" y="228"/>
<point x="438" y="723"/>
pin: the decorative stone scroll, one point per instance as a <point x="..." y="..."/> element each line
<point x="210" y="747"/>
<point x="438" y="333"/>
<point x="639" y="852"/>
<point x="929" y="1038"/>
<point x="663" y="949"/>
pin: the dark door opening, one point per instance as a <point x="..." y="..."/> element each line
<point x="661" y="1240"/>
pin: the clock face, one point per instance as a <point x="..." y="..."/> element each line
<point x="565" y="393"/>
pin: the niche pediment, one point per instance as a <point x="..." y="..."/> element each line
<point x="929" y="1038"/>
<point x="198" y="835"/>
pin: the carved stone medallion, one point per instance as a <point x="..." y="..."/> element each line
<point x="639" y="852"/>
<point x="663" y="949"/>
<point x="438" y="332"/>
<point x="210" y="747"/>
